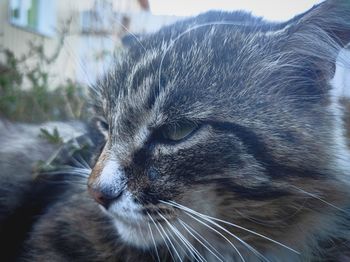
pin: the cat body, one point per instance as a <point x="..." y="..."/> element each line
<point x="223" y="141"/>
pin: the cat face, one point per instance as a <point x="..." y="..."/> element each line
<point x="223" y="118"/>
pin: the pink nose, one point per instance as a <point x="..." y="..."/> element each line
<point x="104" y="196"/>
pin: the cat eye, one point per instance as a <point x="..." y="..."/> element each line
<point x="177" y="132"/>
<point x="102" y="126"/>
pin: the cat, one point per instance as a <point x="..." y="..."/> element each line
<point x="217" y="138"/>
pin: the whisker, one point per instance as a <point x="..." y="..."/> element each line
<point x="132" y="34"/>
<point x="144" y="238"/>
<point x="64" y="182"/>
<point x="235" y="225"/>
<point x="154" y="242"/>
<point x="318" y="198"/>
<point x="179" y="245"/>
<point x="189" y="229"/>
<point x="82" y="162"/>
<point x="69" y="170"/>
<point x="190" y="247"/>
<point x="161" y="234"/>
<point x="77" y="163"/>
<point x="70" y="50"/>
<point x="250" y="248"/>
<point x="183" y="251"/>
<point x="171" y="243"/>
<point x="272" y="223"/>
<point x="219" y="233"/>
<point x="257" y="253"/>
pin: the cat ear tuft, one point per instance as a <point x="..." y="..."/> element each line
<point x="332" y="17"/>
<point x="318" y="36"/>
<point x="322" y="31"/>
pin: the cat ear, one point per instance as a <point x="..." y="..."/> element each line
<point x="316" y="42"/>
<point x="319" y="38"/>
<point x="329" y="20"/>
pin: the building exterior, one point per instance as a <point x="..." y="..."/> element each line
<point x="93" y="31"/>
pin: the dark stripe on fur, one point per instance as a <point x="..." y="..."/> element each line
<point x="257" y="148"/>
<point x="259" y="193"/>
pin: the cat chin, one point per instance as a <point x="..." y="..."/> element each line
<point x="137" y="233"/>
<point x="133" y="227"/>
<point x="134" y="234"/>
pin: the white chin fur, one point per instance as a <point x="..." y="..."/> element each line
<point x="138" y="234"/>
<point x="134" y="234"/>
<point x="132" y="226"/>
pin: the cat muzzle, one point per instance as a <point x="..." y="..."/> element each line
<point x="105" y="197"/>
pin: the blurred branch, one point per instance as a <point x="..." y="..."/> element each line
<point x="39" y="102"/>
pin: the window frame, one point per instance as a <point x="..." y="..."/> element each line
<point x="45" y="23"/>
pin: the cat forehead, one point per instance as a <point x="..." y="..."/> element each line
<point x="197" y="70"/>
<point x="191" y="64"/>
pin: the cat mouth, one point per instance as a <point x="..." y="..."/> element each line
<point x="140" y="228"/>
<point x="144" y="215"/>
<point x="129" y="211"/>
<point x="138" y="225"/>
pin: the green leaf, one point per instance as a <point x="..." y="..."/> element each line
<point x="53" y="138"/>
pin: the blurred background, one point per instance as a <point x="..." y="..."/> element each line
<point x="52" y="50"/>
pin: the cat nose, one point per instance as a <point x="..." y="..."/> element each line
<point x="105" y="196"/>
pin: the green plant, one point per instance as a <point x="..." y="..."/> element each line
<point x="53" y="138"/>
<point x="38" y="102"/>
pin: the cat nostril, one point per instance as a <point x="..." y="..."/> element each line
<point x="105" y="197"/>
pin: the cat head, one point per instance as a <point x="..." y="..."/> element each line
<point x="224" y="117"/>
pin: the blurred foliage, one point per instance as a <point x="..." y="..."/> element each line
<point x="40" y="101"/>
<point x="53" y="138"/>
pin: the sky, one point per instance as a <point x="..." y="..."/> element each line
<point x="277" y="10"/>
